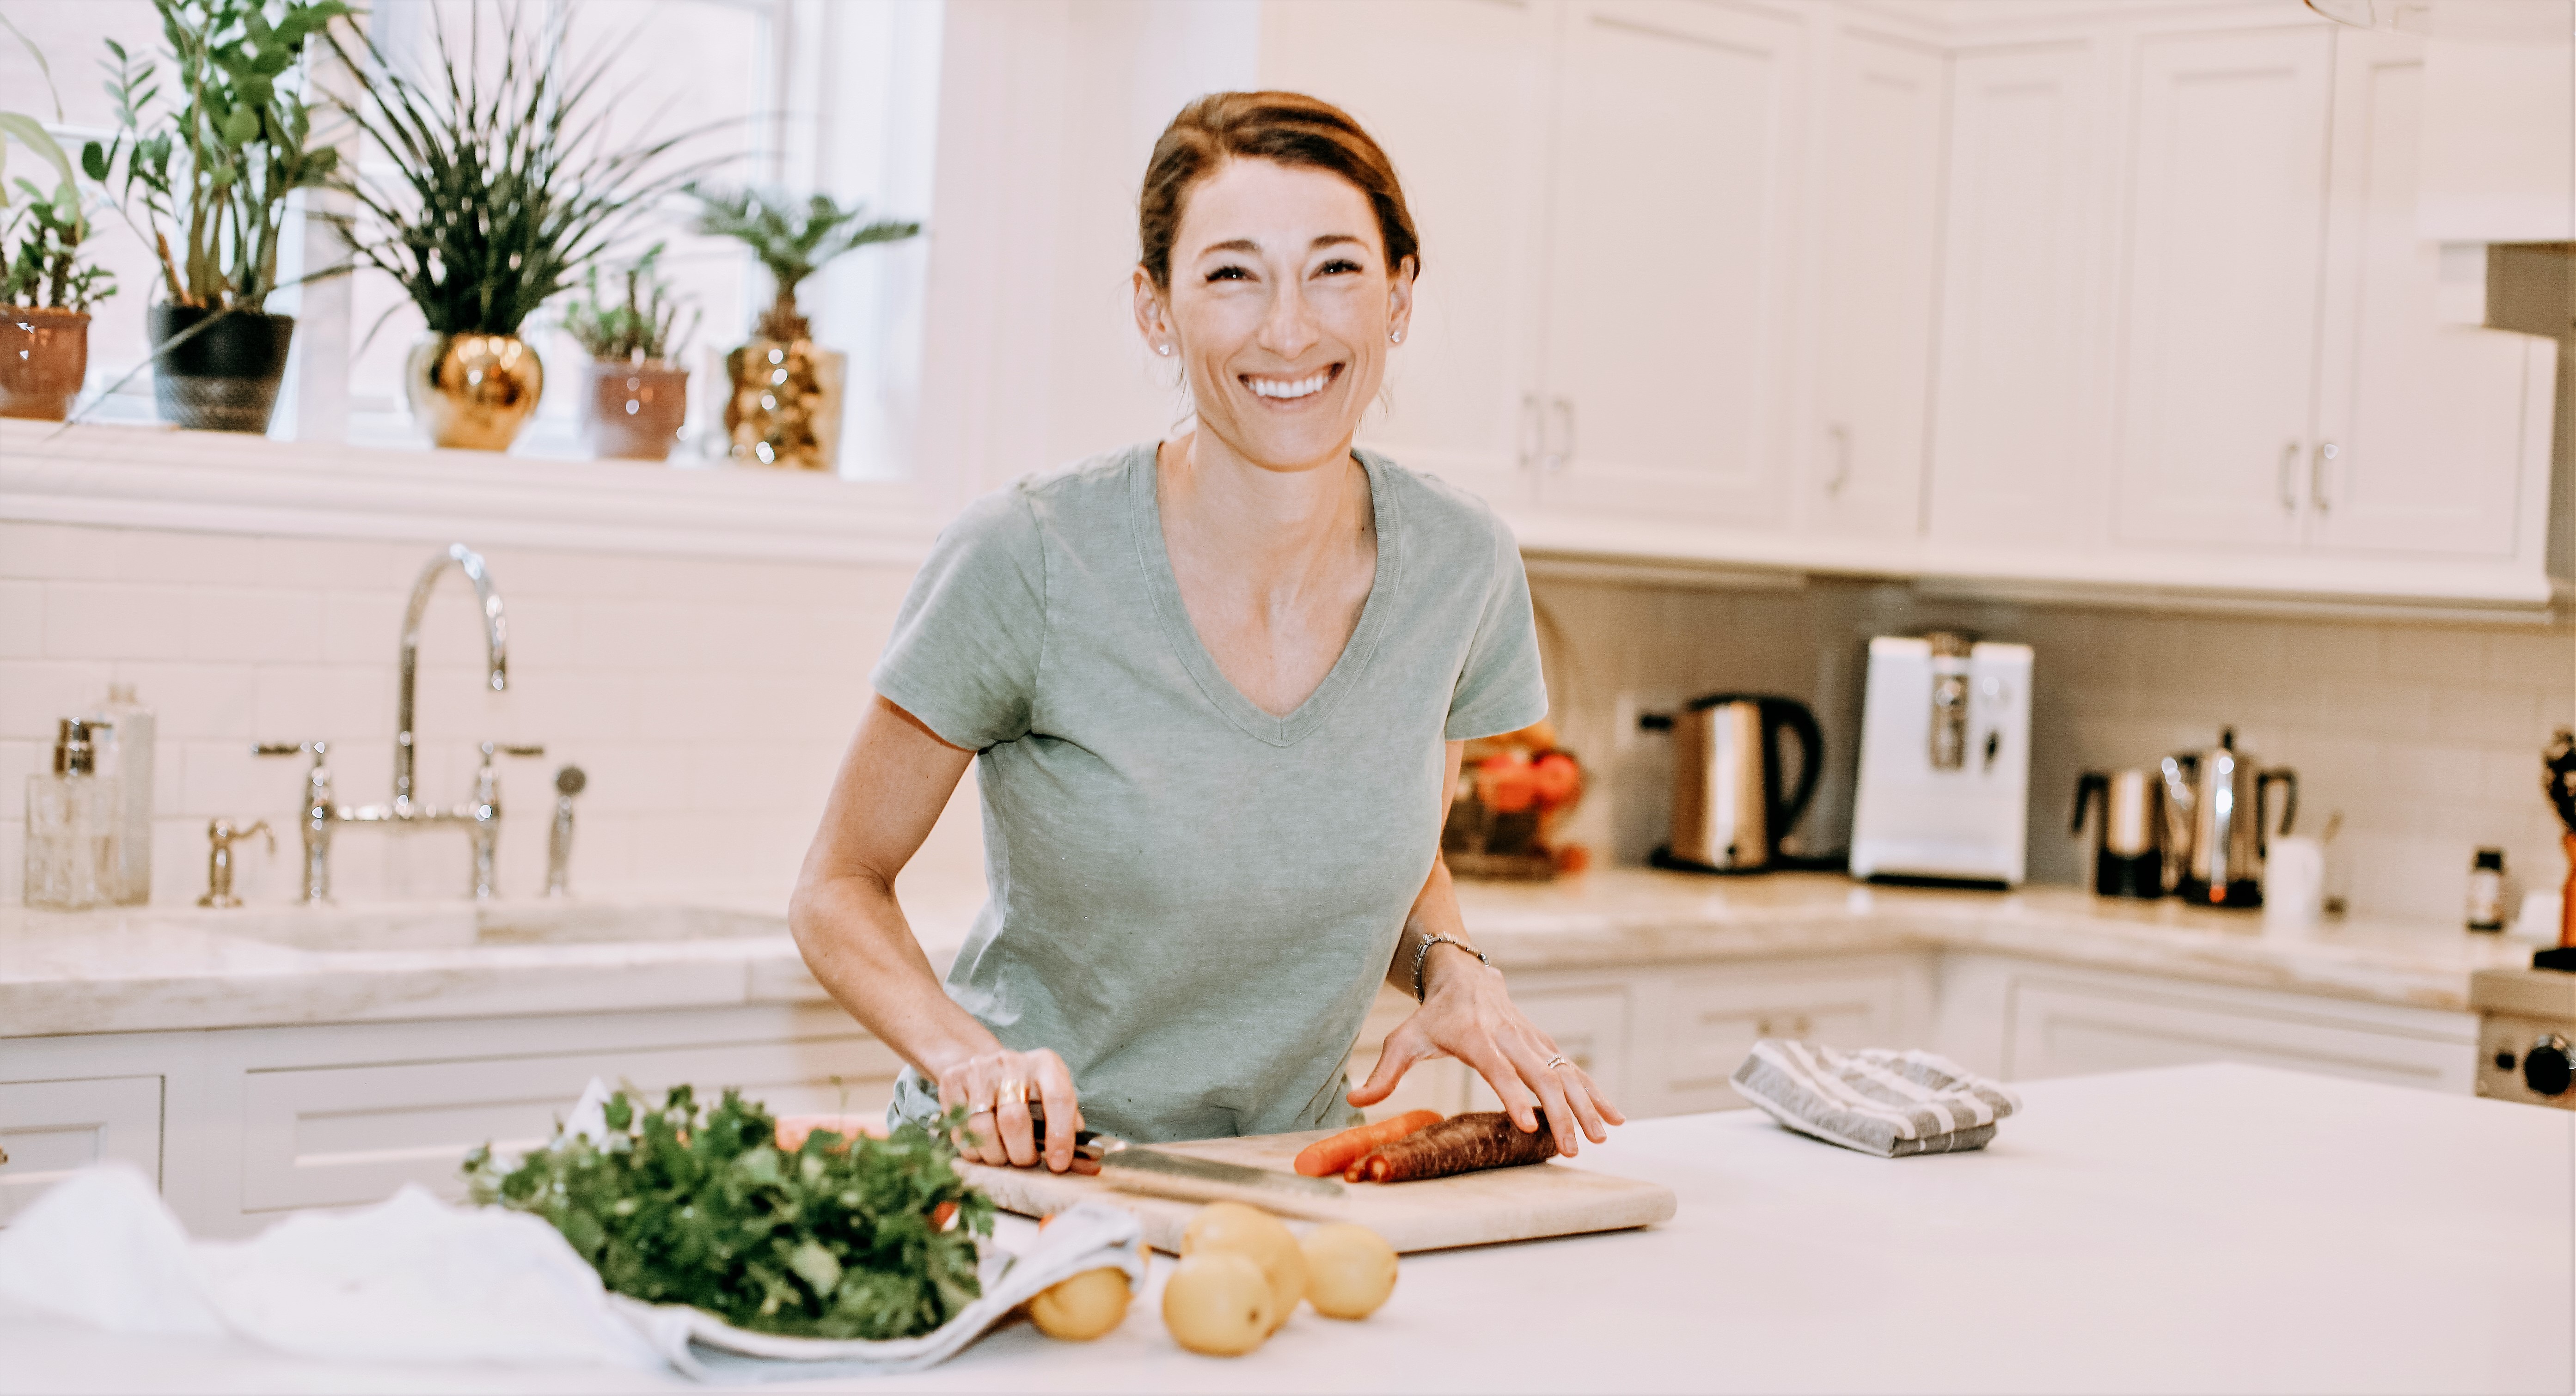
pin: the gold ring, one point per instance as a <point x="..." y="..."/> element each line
<point x="1012" y="1089"/>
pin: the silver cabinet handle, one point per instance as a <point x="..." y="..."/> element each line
<point x="1842" y="459"/>
<point x="1532" y="432"/>
<point x="2289" y="458"/>
<point x="1555" y="460"/>
<point x="2326" y="452"/>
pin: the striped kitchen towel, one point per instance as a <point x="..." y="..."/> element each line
<point x="1878" y="1101"/>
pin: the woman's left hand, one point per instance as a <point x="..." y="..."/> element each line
<point x="1467" y="1013"/>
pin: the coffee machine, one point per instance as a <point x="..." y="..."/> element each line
<point x="1944" y="762"/>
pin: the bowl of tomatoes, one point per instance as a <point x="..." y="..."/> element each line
<point x="1515" y="793"/>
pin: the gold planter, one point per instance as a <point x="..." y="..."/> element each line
<point x="473" y="391"/>
<point x="783" y="405"/>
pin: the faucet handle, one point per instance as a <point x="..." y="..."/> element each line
<point x="505" y="749"/>
<point x="319" y="749"/>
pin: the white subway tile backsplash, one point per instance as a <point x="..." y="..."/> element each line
<point x="115" y="620"/>
<point x="55" y="552"/>
<point x="22" y="620"/>
<point x="36" y="693"/>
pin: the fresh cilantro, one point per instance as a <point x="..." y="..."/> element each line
<point x="857" y="1238"/>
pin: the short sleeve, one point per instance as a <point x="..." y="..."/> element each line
<point x="964" y="654"/>
<point x="1500" y="688"/>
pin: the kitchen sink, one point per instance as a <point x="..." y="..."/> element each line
<point x="431" y="926"/>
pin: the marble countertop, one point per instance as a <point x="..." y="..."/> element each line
<point x="152" y="969"/>
<point x="2303" y="1234"/>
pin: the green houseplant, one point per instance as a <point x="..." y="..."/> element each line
<point x="504" y="188"/>
<point x="47" y="284"/>
<point x="212" y="137"/>
<point x="635" y="394"/>
<point x="783" y="406"/>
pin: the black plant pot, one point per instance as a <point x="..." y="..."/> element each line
<point x="225" y="376"/>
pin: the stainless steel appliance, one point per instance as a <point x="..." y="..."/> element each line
<point x="2526" y="1034"/>
<point x="2128" y="839"/>
<point x="1944" y="761"/>
<point x="2217" y="819"/>
<point x="1728" y="811"/>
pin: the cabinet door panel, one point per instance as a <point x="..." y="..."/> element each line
<point x="52" y="1129"/>
<point x="1878" y="247"/>
<point x="1713" y="1018"/>
<point x="2016" y="453"/>
<point x="2425" y="421"/>
<point x="1454" y="90"/>
<point x="1668" y="270"/>
<point x="2225" y="230"/>
<point x="2069" y="1029"/>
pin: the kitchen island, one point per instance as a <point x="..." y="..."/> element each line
<point x="2215" y="1228"/>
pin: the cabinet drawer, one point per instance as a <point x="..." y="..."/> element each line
<point x="1713" y="1019"/>
<point x="2059" y="1028"/>
<point x="50" y="1129"/>
<point x="343" y="1135"/>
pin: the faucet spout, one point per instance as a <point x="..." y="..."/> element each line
<point x="496" y="636"/>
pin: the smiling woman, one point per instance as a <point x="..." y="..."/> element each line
<point x="1217" y="687"/>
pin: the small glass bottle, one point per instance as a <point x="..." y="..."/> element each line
<point x="123" y="756"/>
<point x="71" y="828"/>
<point x="2486" y="890"/>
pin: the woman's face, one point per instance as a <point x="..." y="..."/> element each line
<point x="1280" y="310"/>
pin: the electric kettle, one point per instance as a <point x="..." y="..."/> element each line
<point x="2216" y="822"/>
<point x="2128" y="841"/>
<point x="1728" y="813"/>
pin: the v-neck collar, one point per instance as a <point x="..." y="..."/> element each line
<point x="1145" y="516"/>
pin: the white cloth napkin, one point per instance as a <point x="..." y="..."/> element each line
<point x="1877" y="1101"/>
<point x="415" y="1279"/>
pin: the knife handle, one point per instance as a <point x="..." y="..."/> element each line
<point x="1087" y="1143"/>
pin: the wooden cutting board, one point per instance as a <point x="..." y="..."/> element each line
<point x="1472" y="1209"/>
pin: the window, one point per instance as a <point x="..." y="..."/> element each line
<point x="794" y="93"/>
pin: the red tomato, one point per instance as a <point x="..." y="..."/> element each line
<point x="1506" y="787"/>
<point x="1556" y="778"/>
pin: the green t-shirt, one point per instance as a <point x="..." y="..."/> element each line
<point x="1193" y="901"/>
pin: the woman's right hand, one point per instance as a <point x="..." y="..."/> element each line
<point x="996" y="1088"/>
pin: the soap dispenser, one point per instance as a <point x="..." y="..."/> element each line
<point x="71" y="827"/>
<point x="121" y="740"/>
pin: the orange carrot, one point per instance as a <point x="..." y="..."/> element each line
<point x="1326" y="1157"/>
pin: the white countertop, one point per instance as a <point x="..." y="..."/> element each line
<point x="2215" y="1228"/>
<point x="153" y="969"/>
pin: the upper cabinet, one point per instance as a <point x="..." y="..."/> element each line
<point x="2097" y="295"/>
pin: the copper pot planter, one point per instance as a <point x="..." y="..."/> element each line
<point x="44" y="355"/>
<point x="633" y="410"/>
<point x="473" y="392"/>
<point x="783" y="404"/>
<point x="224" y="376"/>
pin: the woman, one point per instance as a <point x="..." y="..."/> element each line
<point x="1218" y="687"/>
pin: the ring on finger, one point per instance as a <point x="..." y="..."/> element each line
<point x="1556" y="1061"/>
<point x="1012" y="1088"/>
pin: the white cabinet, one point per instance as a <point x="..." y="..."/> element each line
<point x="1885" y="115"/>
<point x="2431" y="438"/>
<point x="49" y="1129"/>
<point x="1456" y="91"/>
<point x="2016" y="446"/>
<point x="1711" y="1016"/>
<point x="2219" y="320"/>
<point x="1669" y="261"/>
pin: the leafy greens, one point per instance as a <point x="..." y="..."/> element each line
<point x="856" y="1238"/>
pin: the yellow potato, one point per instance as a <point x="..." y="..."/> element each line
<point x="1249" y="1231"/>
<point x="1218" y="1303"/>
<point x="1081" y="1307"/>
<point x="1350" y="1270"/>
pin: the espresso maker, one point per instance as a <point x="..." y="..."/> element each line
<point x="2217" y="822"/>
<point x="1944" y="761"/>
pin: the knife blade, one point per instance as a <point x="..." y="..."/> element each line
<point x="1134" y="1168"/>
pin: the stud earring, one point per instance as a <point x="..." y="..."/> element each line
<point x="1397" y="337"/>
<point x="1163" y="349"/>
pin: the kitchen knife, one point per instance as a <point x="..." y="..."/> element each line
<point x="1134" y="1168"/>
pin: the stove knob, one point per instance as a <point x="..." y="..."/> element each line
<point x="2546" y="1068"/>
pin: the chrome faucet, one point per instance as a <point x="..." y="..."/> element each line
<point x="482" y="815"/>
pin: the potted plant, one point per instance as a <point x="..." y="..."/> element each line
<point x="503" y="190"/>
<point x="783" y="404"/>
<point x="211" y="148"/>
<point x="634" y="394"/>
<point x="46" y="287"/>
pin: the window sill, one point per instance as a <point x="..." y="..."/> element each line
<point x="217" y="482"/>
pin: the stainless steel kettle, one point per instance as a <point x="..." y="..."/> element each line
<point x="2217" y="822"/>
<point x="1728" y="812"/>
<point x="2128" y="840"/>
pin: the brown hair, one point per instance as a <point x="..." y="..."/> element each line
<point x="1285" y="128"/>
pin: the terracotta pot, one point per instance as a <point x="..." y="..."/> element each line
<point x="633" y="411"/>
<point x="783" y="405"/>
<point x="473" y="392"/>
<point x="225" y="376"/>
<point x="44" y="354"/>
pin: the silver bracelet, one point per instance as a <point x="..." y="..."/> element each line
<point x="1425" y="949"/>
